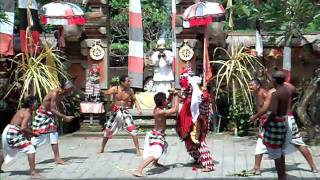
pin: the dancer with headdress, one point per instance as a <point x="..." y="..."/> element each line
<point x="192" y="123"/>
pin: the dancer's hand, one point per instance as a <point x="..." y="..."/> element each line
<point x="139" y="112"/>
<point x="252" y="118"/>
<point x="68" y="118"/>
<point x="173" y="91"/>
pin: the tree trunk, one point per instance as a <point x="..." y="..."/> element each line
<point x="303" y="114"/>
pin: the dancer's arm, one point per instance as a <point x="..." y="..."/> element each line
<point x="174" y="108"/>
<point x="265" y="106"/>
<point x="24" y="125"/>
<point x="111" y="90"/>
<point x="54" y="109"/>
<point x="136" y="103"/>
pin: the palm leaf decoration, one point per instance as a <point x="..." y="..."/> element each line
<point x="37" y="74"/>
<point x="236" y="72"/>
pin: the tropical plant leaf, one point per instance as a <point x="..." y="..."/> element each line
<point x="238" y="68"/>
<point x="37" y="77"/>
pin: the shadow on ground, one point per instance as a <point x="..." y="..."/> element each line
<point x="129" y="151"/>
<point x="289" y="167"/>
<point x="289" y="177"/>
<point x="73" y="159"/>
<point x="26" y="172"/>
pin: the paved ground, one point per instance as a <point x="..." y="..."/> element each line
<point x="231" y="155"/>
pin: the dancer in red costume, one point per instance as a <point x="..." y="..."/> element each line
<point x="192" y="123"/>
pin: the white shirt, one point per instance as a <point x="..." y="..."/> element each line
<point x="162" y="66"/>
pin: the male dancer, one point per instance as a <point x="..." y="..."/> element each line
<point x="45" y="119"/>
<point x="155" y="143"/>
<point x="275" y="126"/>
<point x="293" y="136"/>
<point x="16" y="136"/>
<point x="120" y="117"/>
<point x="260" y="95"/>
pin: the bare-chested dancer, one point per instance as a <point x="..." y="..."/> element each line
<point x="275" y="126"/>
<point x="155" y="143"/>
<point x="293" y="135"/>
<point x="120" y="117"/>
<point x="260" y="95"/>
<point x="16" y="136"/>
<point x="45" y="121"/>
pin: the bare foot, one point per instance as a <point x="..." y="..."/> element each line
<point x="207" y="170"/>
<point x="137" y="173"/>
<point x="101" y="151"/>
<point x="59" y="161"/>
<point x="255" y="171"/>
<point x="37" y="176"/>
<point x="139" y="153"/>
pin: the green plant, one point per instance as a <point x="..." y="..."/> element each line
<point x="236" y="72"/>
<point x="156" y="19"/>
<point x="3" y="17"/>
<point x="239" y="114"/>
<point x="115" y="81"/>
<point x="34" y="77"/>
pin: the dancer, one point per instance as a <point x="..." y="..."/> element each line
<point x="155" y="143"/>
<point x="260" y="95"/>
<point x="45" y="120"/>
<point x="275" y="125"/>
<point x="192" y="123"/>
<point x="16" y="136"/>
<point x="120" y="117"/>
<point x="293" y="137"/>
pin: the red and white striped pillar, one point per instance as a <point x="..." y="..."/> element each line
<point x="135" y="59"/>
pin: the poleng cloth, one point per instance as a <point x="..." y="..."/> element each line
<point x="275" y="132"/>
<point x="14" y="141"/>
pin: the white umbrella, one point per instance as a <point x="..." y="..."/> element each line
<point x="62" y="13"/>
<point x="203" y="13"/>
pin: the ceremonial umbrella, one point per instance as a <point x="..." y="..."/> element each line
<point x="62" y="13"/>
<point x="203" y="13"/>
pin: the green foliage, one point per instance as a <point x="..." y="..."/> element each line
<point x="236" y="72"/>
<point x="71" y="104"/>
<point x="155" y="20"/>
<point x="242" y="173"/>
<point x="276" y="15"/>
<point x="71" y="107"/>
<point x="47" y="28"/>
<point x="115" y="81"/>
<point x="239" y="114"/>
<point x="34" y="77"/>
<point x="287" y="15"/>
<point x="3" y="17"/>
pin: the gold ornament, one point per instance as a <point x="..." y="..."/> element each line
<point x="96" y="51"/>
<point x="186" y="52"/>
